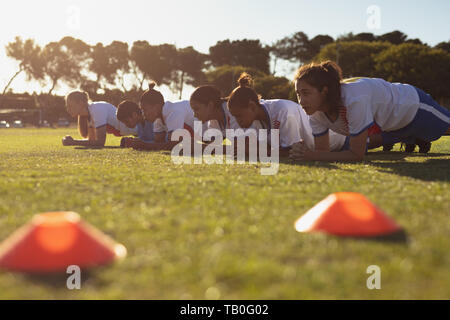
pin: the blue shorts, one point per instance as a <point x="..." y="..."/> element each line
<point x="430" y="123"/>
<point x="346" y="145"/>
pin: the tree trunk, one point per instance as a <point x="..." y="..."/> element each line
<point x="141" y="81"/>
<point x="274" y="66"/>
<point x="8" y="84"/>
<point x="99" y="85"/>
<point x="181" y="84"/>
<point x="53" y="86"/>
<point x="121" y="81"/>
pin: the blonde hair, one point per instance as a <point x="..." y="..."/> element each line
<point x="79" y="97"/>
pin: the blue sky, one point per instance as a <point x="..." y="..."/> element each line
<point x="202" y="23"/>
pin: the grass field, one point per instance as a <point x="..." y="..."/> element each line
<point x="227" y="232"/>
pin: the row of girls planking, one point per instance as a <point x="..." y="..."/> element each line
<point x="335" y="120"/>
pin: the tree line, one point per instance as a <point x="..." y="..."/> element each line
<point x="115" y="71"/>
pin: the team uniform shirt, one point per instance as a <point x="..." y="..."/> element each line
<point x="176" y="115"/>
<point x="145" y="131"/>
<point x="368" y="102"/>
<point x="229" y="120"/>
<point x="293" y="123"/>
<point x="104" y="114"/>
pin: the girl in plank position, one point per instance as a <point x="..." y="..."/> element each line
<point x="95" y="120"/>
<point x="131" y="115"/>
<point x="288" y="117"/>
<point x="211" y="109"/>
<point x="403" y="112"/>
<point x="166" y="118"/>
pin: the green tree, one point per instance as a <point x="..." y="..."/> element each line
<point x="189" y="69"/>
<point x="356" y="58"/>
<point x="62" y="61"/>
<point x="394" y="37"/>
<point x="225" y="77"/>
<point x="119" y="61"/>
<point x="268" y="86"/>
<point x="26" y="53"/>
<point x="110" y="64"/>
<point x="271" y="87"/>
<point x="419" y="65"/>
<point x="299" y="48"/>
<point x="153" y="62"/>
<point x="364" y="36"/>
<point x="248" y="53"/>
<point x="444" y="46"/>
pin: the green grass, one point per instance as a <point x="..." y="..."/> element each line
<point x="199" y="231"/>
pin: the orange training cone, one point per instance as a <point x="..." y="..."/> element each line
<point x="53" y="241"/>
<point x="347" y="214"/>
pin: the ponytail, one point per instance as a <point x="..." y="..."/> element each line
<point x="242" y="95"/>
<point x="245" y="80"/>
<point x="152" y="96"/>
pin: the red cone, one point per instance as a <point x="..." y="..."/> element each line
<point x="347" y="214"/>
<point x="53" y="241"/>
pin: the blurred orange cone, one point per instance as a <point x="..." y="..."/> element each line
<point x="53" y="241"/>
<point x="347" y="214"/>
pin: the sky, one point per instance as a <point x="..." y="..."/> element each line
<point x="201" y="23"/>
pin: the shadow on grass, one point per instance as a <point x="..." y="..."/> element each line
<point x="166" y="152"/>
<point x="57" y="280"/>
<point x="429" y="170"/>
<point x="399" y="237"/>
<point x="398" y="155"/>
<point x="282" y="160"/>
<point x="315" y="164"/>
<point x="98" y="148"/>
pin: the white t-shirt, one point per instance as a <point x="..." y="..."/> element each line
<point x="104" y="114"/>
<point x="230" y="121"/>
<point x="177" y="115"/>
<point x="369" y="101"/>
<point x="293" y="123"/>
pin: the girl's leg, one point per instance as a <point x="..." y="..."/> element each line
<point x="436" y="118"/>
<point x="375" y="141"/>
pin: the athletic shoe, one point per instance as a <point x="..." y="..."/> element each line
<point x="388" y="147"/>
<point x="424" y="146"/>
<point x="408" y="147"/>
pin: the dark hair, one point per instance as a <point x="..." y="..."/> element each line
<point x="243" y="94"/>
<point x="320" y="75"/>
<point x="126" y="109"/>
<point x="151" y="96"/>
<point x="206" y="94"/>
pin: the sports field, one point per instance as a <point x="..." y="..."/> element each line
<point x="226" y="231"/>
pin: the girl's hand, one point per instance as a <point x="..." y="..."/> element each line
<point x="299" y="151"/>
<point x="67" y="141"/>
<point x="137" y="144"/>
<point x="125" y="142"/>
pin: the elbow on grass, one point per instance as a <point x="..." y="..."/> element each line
<point x="358" y="157"/>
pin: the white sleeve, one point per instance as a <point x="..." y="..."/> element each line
<point x="99" y="116"/>
<point x="289" y="131"/>
<point x="158" y="126"/>
<point x="359" y="116"/>
<point x="318" y="128"/>
<point x="175" y="120"/>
